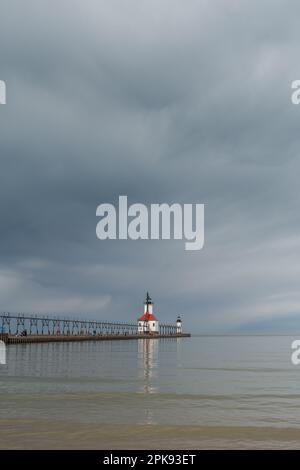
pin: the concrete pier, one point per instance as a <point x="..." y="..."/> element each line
<point x="8" y="339"/>
<point x="27" y="328"/>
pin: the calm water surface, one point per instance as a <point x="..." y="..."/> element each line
<point x="190" y="392"/>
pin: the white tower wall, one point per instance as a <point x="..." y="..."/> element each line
<point x="153" y="326"/>
<point x="178" y="326"/>
<point x="150" y="308"/>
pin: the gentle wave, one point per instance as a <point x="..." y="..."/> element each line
<point x="141" y="396"/>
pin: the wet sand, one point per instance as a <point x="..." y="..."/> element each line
<point x="30" y="434"/>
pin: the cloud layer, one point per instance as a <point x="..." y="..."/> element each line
<point x="163" y="101"/>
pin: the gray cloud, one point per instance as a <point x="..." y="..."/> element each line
<point x="164" y="102"/>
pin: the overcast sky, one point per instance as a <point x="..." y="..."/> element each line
<point x="163" y="101"/>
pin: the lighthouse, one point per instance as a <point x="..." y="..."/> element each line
<point x="178" y="325"/>
<point x="148" y="322"/>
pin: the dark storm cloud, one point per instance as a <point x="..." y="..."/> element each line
<point x="165" y="102"/>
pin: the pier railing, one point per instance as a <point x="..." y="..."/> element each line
<point x="26" y="324"/>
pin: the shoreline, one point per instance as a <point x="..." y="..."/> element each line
<point x="29" y="434"/>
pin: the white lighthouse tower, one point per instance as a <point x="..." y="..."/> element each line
<point x="178" y="325"/>
<point x="148" y="322"/>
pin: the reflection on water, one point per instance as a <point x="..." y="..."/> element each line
<point x="148" y="364"/>
<point x="148" y="369"/>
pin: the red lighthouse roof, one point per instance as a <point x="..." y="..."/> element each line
<point x="148" y="317"/>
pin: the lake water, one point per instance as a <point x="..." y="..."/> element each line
<point x="193" y="393"/>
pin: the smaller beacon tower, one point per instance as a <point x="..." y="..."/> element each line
<point x="178" y="325"/>
<point x="148" y="322"/>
